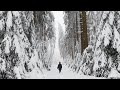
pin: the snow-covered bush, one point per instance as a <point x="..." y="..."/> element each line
<point x="86" y="64"/>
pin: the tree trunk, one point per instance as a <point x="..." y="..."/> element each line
<point x="84" y="38"/>
<point x="77" y="27"/>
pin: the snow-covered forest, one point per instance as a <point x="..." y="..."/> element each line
<point x="32" y="43"/>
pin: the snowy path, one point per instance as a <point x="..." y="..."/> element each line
<point x="66" y="73"/>
<point x="54" y="73"/>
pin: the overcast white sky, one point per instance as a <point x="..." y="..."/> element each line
<point x="59" y="18"/>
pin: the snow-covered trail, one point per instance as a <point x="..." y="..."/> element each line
<point x="66" y="73"/>
<point x="54" y="73"/>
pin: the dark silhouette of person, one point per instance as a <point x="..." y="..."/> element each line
<point x="59" y="67"/>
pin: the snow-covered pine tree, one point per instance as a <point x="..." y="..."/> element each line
<point x="19" y="54"/>
<point x="105" y="58"/>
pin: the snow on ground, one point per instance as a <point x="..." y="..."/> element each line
<point x="66" y="73"/>
<point x="114" y="73"/>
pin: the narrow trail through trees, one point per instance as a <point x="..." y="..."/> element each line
<point x="66" y="73"/>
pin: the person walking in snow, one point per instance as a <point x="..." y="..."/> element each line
<point x="59" y="67"/>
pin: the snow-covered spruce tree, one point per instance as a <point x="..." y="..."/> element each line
<point x="105" y="53"/>
<point x="93" y="19"/>
<point x="105" y="56"/>
<point x="60" y="40"/>
<point x="44" y="23"/>
<point x="19" y="56"/>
